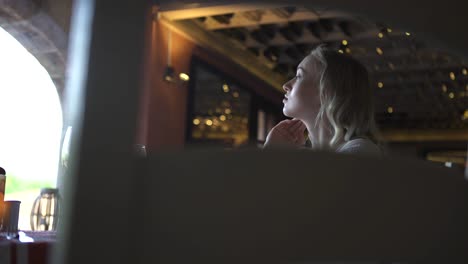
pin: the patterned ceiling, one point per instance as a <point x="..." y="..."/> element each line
<point x="416" y="86"/>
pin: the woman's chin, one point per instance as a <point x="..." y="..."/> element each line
<point x="288" y="113"/>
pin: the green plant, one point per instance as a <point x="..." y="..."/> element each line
<point x="15" y="184"/>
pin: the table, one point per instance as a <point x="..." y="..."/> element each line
<point x="37" y="252"/>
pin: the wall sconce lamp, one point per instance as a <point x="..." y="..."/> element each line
<point x="170" y="76"/>
<point x="169" y="72"/>
<point x="184" y="77"/>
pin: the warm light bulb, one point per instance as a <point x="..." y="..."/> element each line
<point x="379" y="51"/>
<point x="340" y="51"/>
<point x="344" y="42"/>
<point x="465" y="114"/>
<point x="465" y="72"/>
<point x="227" y="111"/>
<point x="380" y="84"/>
<point x="348" y="50"/>
<point x="389" y="30"/>
<point x="444" y="88"/>
<point x="184" y="77"/>
<point x="390" y="109"/>
<point x="452" y="76"/>
<point x="226" y="88"/>
<point x="208" y="122"/>
<point x="222" y="117"/>
<point x="235" y="94"/>
<point x="380" y="35"/>
<point x="196" y="121"/>
<point x="408" y="34"/>
<point x="451" y="95"/>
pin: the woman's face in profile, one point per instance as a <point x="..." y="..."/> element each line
<point x="302" y="100"/>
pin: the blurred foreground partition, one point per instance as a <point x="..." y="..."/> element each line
<point x="300" y="207"/>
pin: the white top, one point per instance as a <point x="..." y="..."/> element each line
<point x="360" y="146"/>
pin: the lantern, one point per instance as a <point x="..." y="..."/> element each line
<point x="44" y="213"/>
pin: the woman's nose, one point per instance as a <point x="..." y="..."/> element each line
<point x="287" y="86"/>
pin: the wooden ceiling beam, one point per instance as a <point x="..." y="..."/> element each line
<point x="268" y="17"/>
<point x="227" y="48"/>
<point x="242" y="16"/>
<point x="194" y="11"/>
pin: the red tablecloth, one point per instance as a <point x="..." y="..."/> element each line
<point x="37" y="252"/>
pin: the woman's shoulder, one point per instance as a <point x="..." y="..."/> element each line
<point x="360" y="146"/>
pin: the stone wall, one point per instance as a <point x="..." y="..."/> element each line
<point x="34" y="25"/>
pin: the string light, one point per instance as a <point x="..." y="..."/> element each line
<point x="227" y="111"/>
<point x="222" y="117"/>
<point x="341" y="51"/>
<point x="235" y="94"/>
<point x="196" y="121"/>
<point x="380" y="35"/>
<point x="379" y="51"/>
<point x="452" y="76"/>
<point x="389" y="30"/>
<point x="348" y="50"/>
<point x="444" y="88"/>
<point x="380" y="84"/>
<point x="465" y="71"/>
<point x="208" y="122"/>
<point x="465" y="115"/>
<point x="226" y="88"/>
<point x="407" y="34"/>
<point x="344" y="42"/>
<point x="451" y="95"/>
<point x="390" y="109"/>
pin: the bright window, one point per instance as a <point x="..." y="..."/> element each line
<point x="30" y="125"/>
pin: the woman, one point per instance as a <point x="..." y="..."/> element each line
<point x="330" y="97"/>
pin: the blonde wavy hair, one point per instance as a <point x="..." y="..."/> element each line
<point x="346" y="98"/>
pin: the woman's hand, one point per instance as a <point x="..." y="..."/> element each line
<point x="287" y="133"/>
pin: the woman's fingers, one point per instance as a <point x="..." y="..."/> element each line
<point x="289" y="124"/>
<point x="299" y="127"/>
<point x="297" y="130"/>
<point x="294" y="128"/>
<point x="296" y="124"/>
<point x="284" y="128"/>
<point x="291" y="131"/>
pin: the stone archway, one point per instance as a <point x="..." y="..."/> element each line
<point x="32" y="25"/>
